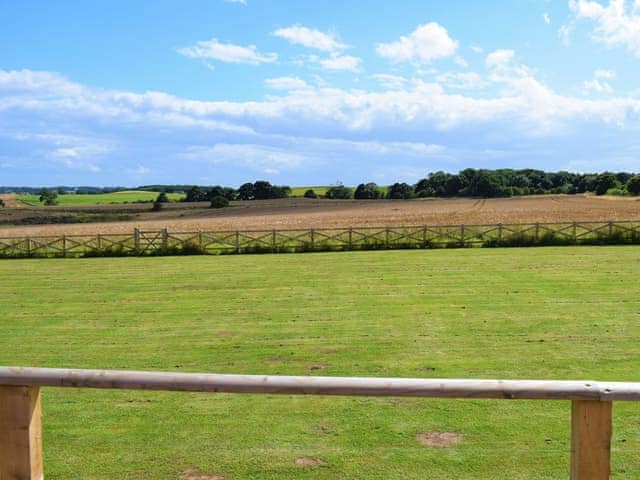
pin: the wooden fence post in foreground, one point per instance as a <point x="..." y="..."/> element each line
<point x="20" y="433"/>
<point x="590" y="440"/>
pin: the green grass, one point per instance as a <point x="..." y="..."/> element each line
<point x="548" y="313"/>
<point x="132" y="196"/>
<point x="299" y="191"/>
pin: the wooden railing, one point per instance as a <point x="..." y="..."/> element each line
<point x="165" y="242"/>
<point x="20" y="404"/>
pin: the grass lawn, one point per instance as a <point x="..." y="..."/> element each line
<point x="542" y="313"/>
<point x="77" y="200"/>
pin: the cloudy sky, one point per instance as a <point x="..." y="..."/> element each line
<point x="296" y="92"/>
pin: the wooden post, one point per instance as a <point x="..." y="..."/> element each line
<point x="165" y="238"/>
<point x="237" y="241"/>
<point x="64" y="246"/>
<point x="136" y="239"/>
<point x="313" y="240"/>
<point x="20" y="433"/>
<point x="590" y="440"/>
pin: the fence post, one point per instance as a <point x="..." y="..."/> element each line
<point x="590" y="440"/>
<point x="610" y="230"/>
<point x="99" y="241"/>
<point x="29" y="246"/>
<point x="537" y="232"/>
<point x="64" y="246"/>
<point x="350" y="238"/>
<point x="575" y="232"/>
<point x="273" y="240"/>
<point x="313" y="240"/>
<point x="462" y="234"/>
<point x="20" y="433"/>
<point x="136" y="239"/>
<point x="165" y="238"/>
<point x="386" y="238"/>
<point x="500" y="232"/>
<point x="424" y="236"/>
<point x="237" y="241"/>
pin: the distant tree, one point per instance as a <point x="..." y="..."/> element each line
<point x="367" y="191"/>
<point x="400" y="191"/>
<point x="48" y="197"/>
<point x="195" y="194"/>
<point x="245" y="192"/>
<point x="219" y="202"/>
<point x="310" y="194"/>
<point x="604" y="182"/>
<point x="633" y="185"/>
<point x="2" y="205"/>
<point x="162" y="198"/>
<point x="338" y="192"/>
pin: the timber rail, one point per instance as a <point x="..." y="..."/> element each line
<point x="20" y="404"/>
<point x="165" y="242"/>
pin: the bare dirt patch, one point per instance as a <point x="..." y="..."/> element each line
<point x="439" y="439"/>
<point x="316" y="366"/>
<point x="301" y="213"/>
<point x="309" y="462"/>
<point x="193" y="474"/>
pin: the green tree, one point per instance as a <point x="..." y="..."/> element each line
<point x="633" y="185"/>
<point x="162" y="198"/>
<point x="400" y="191"/>
<point x="219" y="202"/>
<point x="339" y="192"/>
<point x="604" y="182"/>
<point x="48" y="197"/>
<point x="195" y="194"/>
<point x="310" y="194"/>
<point x="367" y="191"/>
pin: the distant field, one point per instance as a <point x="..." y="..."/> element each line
<point x="101" y="199"/>
<point x="304" y="213"/>
<point x="547" y="313"/>
<point x="299" y="191"/>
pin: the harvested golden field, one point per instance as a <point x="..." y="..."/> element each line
<point x="312" y="213"/>
<point x="10" y="200"/>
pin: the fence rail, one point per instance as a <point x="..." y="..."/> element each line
<point x="165" y="242"/>
<point x="20" y="404"/>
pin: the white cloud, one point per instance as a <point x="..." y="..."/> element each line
<point x="601" y="73"/>
<point x="564" y="32"/>
<point x="285" y="83"/>
<point x="227" y="52"/>
<point x="617" y="24"/>
<point x="599" y="83"/>
<point x="340" y="62"/>
<point x="461" y="62"/>
<point x="426" y="43"/>
<point x="477" y="49"/>
<point x="140" y="170"/>
<point x="499" y="58"/>
<point x="462" y="80"/>
<point x="311" y="38"/>
<point x="261" y="158"/>
<point x="546" y="18"/>
<point x="243" y="2"/>
<point x="393" y="82"/>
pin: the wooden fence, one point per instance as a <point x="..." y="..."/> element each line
<point x="164" y="242"/>
<point x="20" y="404"/>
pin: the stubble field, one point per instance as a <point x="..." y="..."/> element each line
<point x="321" y="213"/>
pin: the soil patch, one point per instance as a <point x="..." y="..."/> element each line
<point x="439" y="439"/>
<point x="316" y="366"/>
<point x="193" y="474"/>
<point x="308" y="462"/>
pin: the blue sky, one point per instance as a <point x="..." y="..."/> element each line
<point x="301" y="93"/>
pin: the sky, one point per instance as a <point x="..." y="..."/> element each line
<point x="314" y="93"/>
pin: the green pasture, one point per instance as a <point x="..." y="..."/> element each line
<point x="541" y="313"/>
<point x="77" y="200"/>
<point x="299" y="191"/>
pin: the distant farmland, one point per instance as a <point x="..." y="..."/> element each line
<point x="302" y="213"/>
<point x="127" y="196"/>
<point x="548" y="313"/>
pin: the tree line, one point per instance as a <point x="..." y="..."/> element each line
<point x="466" y="183"/>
